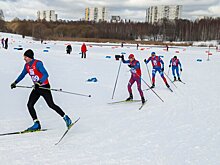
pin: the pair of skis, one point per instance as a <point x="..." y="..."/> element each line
<point x="130" y="101"/>
<point x="42" y="130"/>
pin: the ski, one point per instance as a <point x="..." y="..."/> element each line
<point x="67" y="130"/>
<point x="142" y="105"/>
<point x="179" y="81"/>
<point x="146" y="89"/>
<point x="22" y="132"/>
<point x="124" y="101"/>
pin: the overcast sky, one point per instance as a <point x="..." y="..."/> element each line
<point x="127" y="9"/>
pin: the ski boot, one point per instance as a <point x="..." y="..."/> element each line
<point x="167" y="85"/>
<point x="35" y="127"/>
<point x="130" y="98"/>
<point x="67" y="120"/>
<point x="179" y="79"/>
<point x="174" y="78"/>
<point x="153" y="85"/>
<point x="142" y="100"/>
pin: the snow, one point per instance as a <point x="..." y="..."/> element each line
<point x="184" y="130"/>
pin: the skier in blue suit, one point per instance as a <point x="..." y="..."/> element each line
<point x="175" y="63"/>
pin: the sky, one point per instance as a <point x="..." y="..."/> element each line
<point x="134" y="10"/>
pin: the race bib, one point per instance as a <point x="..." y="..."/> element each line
<point x="31" y="72"/>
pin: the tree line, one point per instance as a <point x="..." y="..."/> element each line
<point x="165" y="30"/>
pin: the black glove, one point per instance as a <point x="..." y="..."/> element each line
<point x="122" y="56"/>
<point x="169" y="66"/>
<point x="37" y="85"/>
<point x="145" y="60"/>
<point x="181" y="69"/>
<point x="13" y="85"/>
<point x="129" y="66"/>
<point x="162" y="69"/>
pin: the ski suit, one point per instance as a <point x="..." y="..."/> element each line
<point x="38" y="73"/>
<point x="135" y="75"/>
<point x="157" y="64"/>
<point x="175" y="63"/>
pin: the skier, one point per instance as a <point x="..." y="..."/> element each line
<point x="6" y="43"/>
<point x="83" y="50"/>
<point x="175" y="63"/>
<point x="39" y="77"/>
<point x="68" y="49"/>
<point x="156" y="63"/>
<point x="135" y="76"/>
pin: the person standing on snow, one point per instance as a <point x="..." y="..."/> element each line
<point x="175" y="63"/>
<point x="135" y="76"/>
<point x="6" y="43"/>
<point x="68" y="49"/>
<point x="3" y="42"/>
<point x="39" y="77"/>
<point x="158" y="66"/>
<point x="83" y="50"/>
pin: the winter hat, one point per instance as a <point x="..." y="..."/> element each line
<point x="130" y="56"/>
<point x="153" y="53"/>
<point x="29" y="53"/>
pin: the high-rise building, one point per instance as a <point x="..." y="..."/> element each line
<point x="115" y="19"/>
<point x="157" y="13"/>
<point x="2" y="15"/>
<point x="97" y="14"/>
<point x="48" y="15"/>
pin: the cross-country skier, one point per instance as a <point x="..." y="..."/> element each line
<point x="175" y="63"/>
<point x="39" y="77"/>
<point x="135" y="76"/>
<point x="158" y="66"/>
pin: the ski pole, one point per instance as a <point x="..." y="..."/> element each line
<point x="149" y="74"/>
<point x="20" y="86"/>
<point x="170" y="79"/>
<point x="150" y="88"/>
<point x="168" y="71"/>
<point x="116" y="79"/>
<point x="61" y="90"/>
<point x="58" y="90"/>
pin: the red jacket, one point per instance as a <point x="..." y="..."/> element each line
<point x="83" y="48"/>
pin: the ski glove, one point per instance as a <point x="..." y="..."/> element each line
<point x="37" y="85"/>
<point x="162" y="69"/>
<point x="129" y="66"/>
<point x="181" y="69"/>
<point x="13" y="85"/>
<point x="133" y="70"/>
<point x="169" y="66"/>
<point x="145" y="60"/>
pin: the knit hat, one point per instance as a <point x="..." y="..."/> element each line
<point x="153" y="53"/>
<point x="29" y="53"/>
<point x="130" y="56"/>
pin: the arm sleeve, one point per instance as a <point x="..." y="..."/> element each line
<point x="41" y="68"/>
<point x="148" y="60"/>
<point x="162" y="63"/>
<point x="180" y="64"/>
<point x="170" y="61"/>
<point x="126" y="61"/>
<point x="22" y="75"/>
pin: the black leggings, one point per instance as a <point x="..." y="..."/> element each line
<point x="35" y="95"/>
<point x="83" y="55"/>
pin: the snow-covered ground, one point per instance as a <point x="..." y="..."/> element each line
<point x="182" y="130"/>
